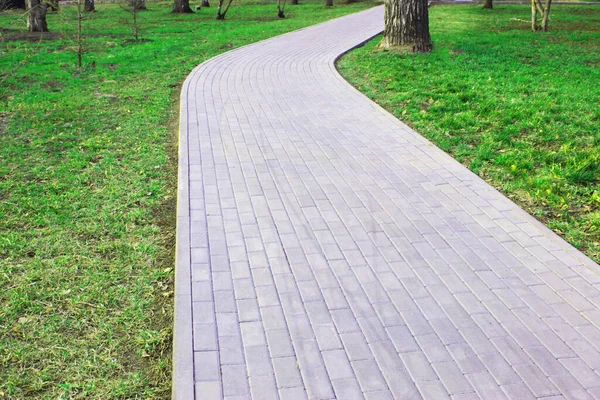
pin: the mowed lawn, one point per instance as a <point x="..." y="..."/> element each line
<point x="520" y="109"/>
<point x="88" y="190"/>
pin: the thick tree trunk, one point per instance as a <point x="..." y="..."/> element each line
<point x="294" y="2"/>
<point x="407" y="25"/>
<point x="328" y="3"/>
<point x="205" y="3"/>
<point x="488" y="4"/>
<point x="89" y="6"/>
<point x="182" y="6"/>
<point x="37" y="16"/>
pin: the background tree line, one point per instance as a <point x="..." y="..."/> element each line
<point x="406" y="21"/>
<point x="38" y="9"/>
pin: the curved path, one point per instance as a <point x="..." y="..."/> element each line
<point x="326" y="250"/>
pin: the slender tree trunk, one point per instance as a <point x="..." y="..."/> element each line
<point x="79" y="35"/>
<point x="533" y="16"/>
<point x="37" y="16"/>
<point x="328" y="3"/>
<point x="89" y="6"/>
<point x="536" y="6"/>
<point x="488" y="4"/>
<point x="135" y="23"/>
<point x="407" y="25"/>
<point x="220" y="13"/>
<point x="281" y="8"/>
<point x="182" y="6"/>
<point x="546" y="15"/>
<point x="205" y="3"/>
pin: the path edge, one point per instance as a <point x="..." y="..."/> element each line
<point x="183" y="347"/>
<point x="522" y="213"/>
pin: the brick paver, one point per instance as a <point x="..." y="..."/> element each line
<point x="325" y="250"/>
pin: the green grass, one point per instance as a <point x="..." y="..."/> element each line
<point x="87" y="192"/>
<point x="518" y="108"/>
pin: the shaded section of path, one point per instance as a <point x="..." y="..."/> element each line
<point x="326" y="250"/>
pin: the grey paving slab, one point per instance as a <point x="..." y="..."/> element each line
<point x="325" y="250"/>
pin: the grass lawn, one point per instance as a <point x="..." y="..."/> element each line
<point x="520" y="109"/>
<point x="87" y="192"/>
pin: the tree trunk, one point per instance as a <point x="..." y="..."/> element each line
<point x="546" y="15"/>
<point x="328" y="3"/>
<point x="488" y="4"/>
<point x="89" y="6"/>
<point x="79" y="34"/>
<point x="37" y="16"/>
<point x="536" y="6"/>
<point x="281" y="8"/>
<point x="294" y="2"/>
<point x="138" y="4"/>
<point x="205" y="3"/>
<point x="182" y="6"/>
<point x="533" y="16"/>
<point x="220" y="12"/>
<point x="407" y="25"/>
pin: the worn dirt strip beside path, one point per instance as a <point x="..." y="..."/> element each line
<point x="327" y="251"/>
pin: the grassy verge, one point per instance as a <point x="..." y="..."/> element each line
<point x="87" y="191"/>
<point x="518" y="108"/>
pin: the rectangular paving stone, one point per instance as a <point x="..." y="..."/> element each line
<point x="386" y="356"/>
<point x="417" y="366"/>
<point x="466" y="358"/>
<point x="287" y="373"/>
<point x="485" y="386"/>
<point x="263" y="387"/>
<point x="205" y="337"/>
<point x="344" y="320"/>
<point x="258" y="361"/>
<point x="402" y="339"/>
<point x="206" y="366"/>
<point x="327" y="337"/>
<point x="234" y="379"/>
<point x="347" y="389"/>
<point x="452" y="377"/>
<point x="499" y="368"/>
<point x="536" y="381"/>
<point x="368" y="375"/>
<point x="318" y="384"/>
<point x="337" y="364"/>
<point x="230" y="350"/>
<point x="356" y="346"/>
<point x="208" y="390"/>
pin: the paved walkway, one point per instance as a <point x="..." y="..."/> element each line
<point x="325" y="250"/>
